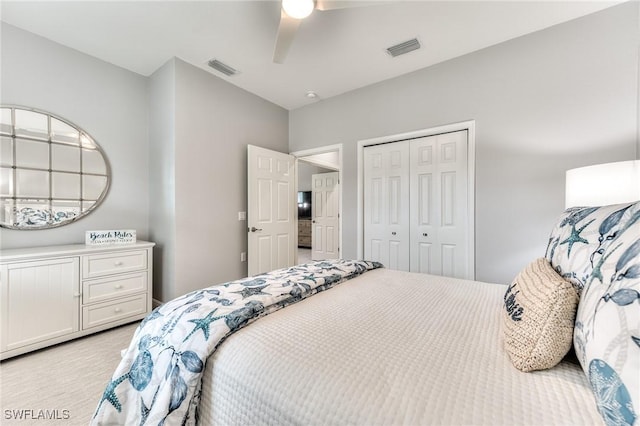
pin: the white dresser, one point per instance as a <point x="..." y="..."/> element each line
<point x="52" y="294"/>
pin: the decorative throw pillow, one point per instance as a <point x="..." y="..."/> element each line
<point x="598" y="249"/>
<point x="540" y="307"/>
<point x="581" y="236"/>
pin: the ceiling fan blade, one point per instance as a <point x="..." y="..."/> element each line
<point x="286" y="33"/>
<point x="343" y="4"/>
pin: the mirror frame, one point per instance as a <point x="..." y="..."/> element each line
<point x="50" y="199"/>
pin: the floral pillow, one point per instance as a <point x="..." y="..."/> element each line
<point x="598" y="250"/>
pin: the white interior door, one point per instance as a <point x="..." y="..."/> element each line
<point x="386" y="208"/>
<point x="439" y="234"/>
<point x="271" y="210"/>
<point x="325" y="198"/>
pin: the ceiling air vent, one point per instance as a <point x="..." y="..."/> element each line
<point x="405" y="47"/>
<point x="222" y="67"/>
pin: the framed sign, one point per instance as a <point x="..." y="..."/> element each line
<point x="117" y="236"/>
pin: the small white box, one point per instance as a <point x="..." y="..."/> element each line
<point x="115" y="236"/>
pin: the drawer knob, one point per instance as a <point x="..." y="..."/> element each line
<point x="118" y="263"/>
<point x="118" y="286"/>
<point x="117" y="310"/>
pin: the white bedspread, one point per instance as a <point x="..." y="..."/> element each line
<point x="388" y="348"/>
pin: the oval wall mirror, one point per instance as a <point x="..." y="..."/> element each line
<point x="51" y="171"/>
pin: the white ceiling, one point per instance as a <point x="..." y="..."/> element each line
<point x="334" y="51"/>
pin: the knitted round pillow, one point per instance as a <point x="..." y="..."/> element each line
<point x="538" y="317"/>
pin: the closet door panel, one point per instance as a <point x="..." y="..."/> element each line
<point x="438" y="204"/>
<point x="386" y="194"/>
<point x="448" y="198"/>
<point x="395" y="255"/>
<point x="374" y="252"/>
<point x="425" y="210"/>
<point x="425" y="199"/>
<point x="375" y="247"/>
<point x="395" y="201"/>
<point x="375" y="204"/>
<point x="424" y="259"/>
<point x="452" y="193"/>
<point x="448" y="257"/>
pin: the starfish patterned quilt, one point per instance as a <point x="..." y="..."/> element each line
<point x="159" y="378"/>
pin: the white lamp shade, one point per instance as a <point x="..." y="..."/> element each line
<point x="603" y="184"/>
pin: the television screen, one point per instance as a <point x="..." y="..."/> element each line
<point x="304" y="205"/>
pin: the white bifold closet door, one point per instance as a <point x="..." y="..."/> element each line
<point x="415" y="200"/>
<point x="386" y="204"/>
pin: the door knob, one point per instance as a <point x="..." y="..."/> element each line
<point x="424" y="234"/>
<point x="393" y="233"/>
<point x="254" y="229"/>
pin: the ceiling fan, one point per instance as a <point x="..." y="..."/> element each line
<point x="293" y="12"/>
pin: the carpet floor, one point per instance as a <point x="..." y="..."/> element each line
<point x="61" y="384"/>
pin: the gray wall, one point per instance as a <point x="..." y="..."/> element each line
<point x="176" y="142"/>
<point x="214" y="123"/>
<point x="162" y="182"/>
<point x="560" y="98"/>
<point x="108" y="102"/>
<point x="553" y="100"/>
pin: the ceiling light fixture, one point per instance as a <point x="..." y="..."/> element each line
<point x="298" y="9"/>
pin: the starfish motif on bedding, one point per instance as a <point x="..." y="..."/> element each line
<point x="251" y="291"/>
<point x="309" y="277"/>
<point x="575" y="237"/>
<point x="146" y="362"/>
<point x="328" y="266"/>
<point x="110" y="393"/>
<point x="203" y="324"/>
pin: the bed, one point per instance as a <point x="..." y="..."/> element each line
<point x="388" y="347"/>
<point x="370" y="346"/>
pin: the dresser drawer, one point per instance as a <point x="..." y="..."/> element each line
<point x="102" y="289"/>
<point x="304" y="241"/>
<point x="98" y="265"/>
<point x="304" y="226"/>
<point x="103" y="313"/>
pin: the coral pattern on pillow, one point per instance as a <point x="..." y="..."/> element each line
<point x="598" y="250"/>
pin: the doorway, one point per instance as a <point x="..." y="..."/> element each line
<point x="317" y="240"/>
